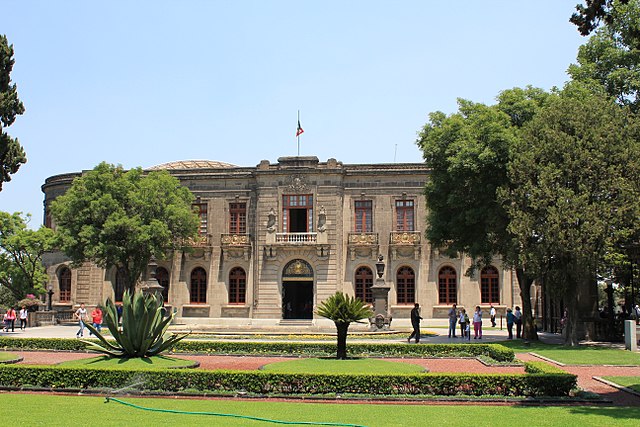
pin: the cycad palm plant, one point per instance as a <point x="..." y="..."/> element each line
<point x="144" y="326"/>
<point x="343" y="310"/>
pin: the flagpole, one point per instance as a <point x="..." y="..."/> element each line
<point x="298" y="135"/>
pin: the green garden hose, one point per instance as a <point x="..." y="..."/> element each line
<point x="246" y="417"/>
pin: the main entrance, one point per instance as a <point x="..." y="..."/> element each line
<point x="297" y="290"/>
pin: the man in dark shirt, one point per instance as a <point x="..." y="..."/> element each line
<point x="415" y="322"/>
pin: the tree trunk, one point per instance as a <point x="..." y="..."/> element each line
<point x="529" y="331"/>
<point x="342" y="340"/>
<point x="571" y="324"/>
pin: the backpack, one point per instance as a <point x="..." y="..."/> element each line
<point x="466" y="318"/>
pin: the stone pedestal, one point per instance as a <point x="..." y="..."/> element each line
<point x="381" y="320"/>
<point x="630" y="335"/>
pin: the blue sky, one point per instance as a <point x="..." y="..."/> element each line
<point x="140" y="83"/>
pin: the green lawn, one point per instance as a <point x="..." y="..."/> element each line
<point x="581" y="355"/>
<point x="631" y="382"/>
<point x="133" y="363"/>
<point x="350" y="366"/>
<point x="5" y="356"/>
<point x="66" y="410"/>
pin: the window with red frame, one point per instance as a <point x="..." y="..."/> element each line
<point x="364" y="281"/>
<point x="447" y="287"/>
<point x="404" y="215"/>
<point x="364" y="216"/>
<point x="64" y="283"/>
<point x="237" y="286"/>
<point x="201" y="210"/>
<point x="489" y="289"/>
<point x="297" y="213"/>
<point x="198" y="286"/>
<point x="406" y="285"/>
<point x="237" y="218"/>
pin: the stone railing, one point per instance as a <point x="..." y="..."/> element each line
<point x="229" y="239"/>
<point x="297" y="238"/>
<point x="199" y="241"/>
<point x="405" y="238"/>
<point x="363" y="239"/>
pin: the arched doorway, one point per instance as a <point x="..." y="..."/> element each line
<point x="297" y="290"/>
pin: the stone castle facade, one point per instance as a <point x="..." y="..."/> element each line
<point x="279" y="238"/>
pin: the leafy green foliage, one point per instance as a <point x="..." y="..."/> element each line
<point x="611" y="57"/>
<point x="144" y="328"/>
<point x="343" y="310"/>
<point x="259" y="382"/>
<point x="21" y="251"/>
<point x="494" y="351"/>
<point x="12" y="154"/>
<point x="119" y="218"/>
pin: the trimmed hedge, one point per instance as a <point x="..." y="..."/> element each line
<point x="494" y="351"/>
<point x="265" y="383"/>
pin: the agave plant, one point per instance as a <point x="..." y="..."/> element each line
<point x="343" y="310"/>
<point x="144" y="328"/>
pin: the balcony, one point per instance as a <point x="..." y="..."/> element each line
<point x="363" y="245"/>
<point x="297" y="238"/>
<point x="405" y="244"/>
<point x="236" y="245"/>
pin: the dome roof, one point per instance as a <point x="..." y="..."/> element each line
<point x="193" y="164"/>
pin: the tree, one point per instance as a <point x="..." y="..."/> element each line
<point x="575" y="191"/>
<point x="589" y="17"/>
<point x="611" y="57"/>
<point x="343" y="310"/>
<point x="468" y="153"/>
<point x="122" y="219"/>
<point x="21" y="251"/>
<point x="11" y="152"/>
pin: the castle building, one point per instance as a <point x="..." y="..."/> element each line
<point x="279" y="238"/>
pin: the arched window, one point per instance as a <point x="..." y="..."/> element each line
<point x="198" y="288"/>
<point x="406" y="285"/>
<point x="364" y="281"/>
<point x="447" y="288"/>
<point x="489" y="290"/>
<point x="64" y="284"/>
<point x="237" y="286"/>
<point x="118" y="289"/>
<point x="162" y="276"/>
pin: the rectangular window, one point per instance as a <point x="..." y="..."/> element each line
<point x="364" y="216"/>
<point x="404" y="215"/>
<point x="201" y="210"/>
<point x="297" y="213"/>
<point x="238" y="218"/>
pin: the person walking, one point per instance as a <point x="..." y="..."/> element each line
<point x="510" y="319"/>
<point x="453" y="319"/>
<point x="415" y="322"/>
<point x="11" y="317"/>
<point x="24" y="315"/>
<point x="96" y="319"/>
<point x="518" y="321"/>
<point x="462" y="319"/>
<point x="81" y="315"/>
<point x="477" y="323"/>
<point x="492" y="313"/>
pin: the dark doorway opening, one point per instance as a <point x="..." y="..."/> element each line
<point x="298" y="220"/>
<point x="297" y="300"/>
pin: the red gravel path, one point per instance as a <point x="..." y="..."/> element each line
<point x="585" y="374"/>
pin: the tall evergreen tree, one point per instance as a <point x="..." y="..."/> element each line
<point x="11" y="152"/>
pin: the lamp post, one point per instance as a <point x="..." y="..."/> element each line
<point x="50" y="293"/>
<point x="380" y="293"/>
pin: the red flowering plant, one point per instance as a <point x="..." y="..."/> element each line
<point x="30" y="302"/>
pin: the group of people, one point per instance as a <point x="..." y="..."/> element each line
<point x="81" y="316"/>
<point x="9" y="319"/>
<point x="462" y="318"/>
